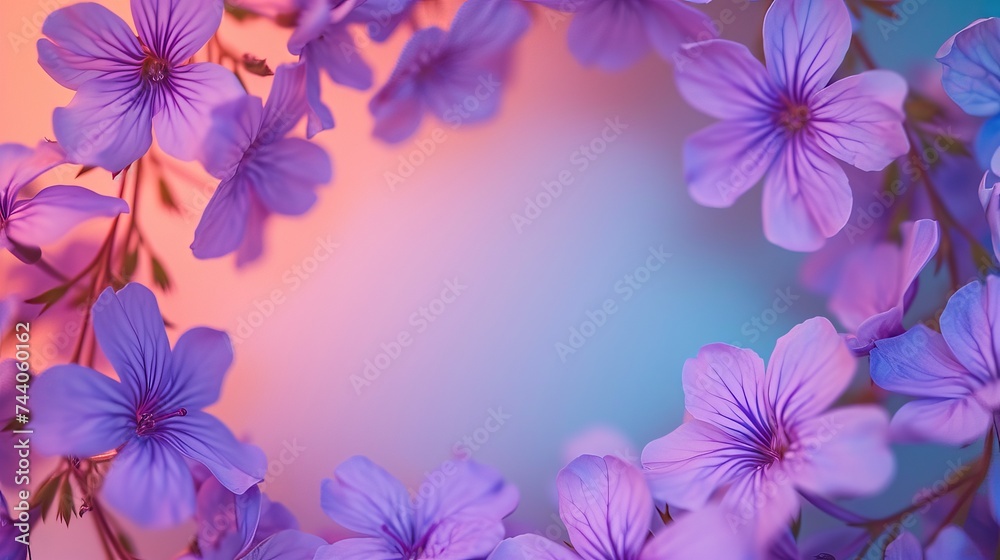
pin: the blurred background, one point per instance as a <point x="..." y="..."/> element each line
<point x="485" y="299"/>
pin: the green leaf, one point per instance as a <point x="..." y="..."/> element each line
<point x="167" y="196"/>
<point x="127" y="543"/>
<point x="49" y="297"/>
<point x="46" y="494"/>
<point x="66" y="509"/>
<point x="160" y="276"/>
<point x="129" y="264"/>
<point x="239" y="14"/>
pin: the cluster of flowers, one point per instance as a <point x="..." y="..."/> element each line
<point x="757" y="440"/>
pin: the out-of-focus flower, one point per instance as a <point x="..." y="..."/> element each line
<point x="950" y="544"/>
<point x="606" y="506"/>
<point x="840" y="542"/>
<point x="456" y="75"/>
<point x="614" y="35"/>
<point x="879" y="199"/>
<point x="460" y="518"/>
<point x="227" y="522"/>
<point x="979" y="525"/>
<point x="971" y="60"/>
<point x="954" y="373"/>
<point x="262" y="171"/>
<point x="322" y="41"/>
<point x="290" y="545"/>
<point x="878" y="282"/>
<point x="381" y="17"/>
<point x="230" y="525"/>
<point x="26" y="224"/>
<point x="9" y="391"/>
<point x="153" y="417"/>
<point x="8" y="309"/>
<point x="764" y="434"/>
<point x="10" y="549"/>
<point x="127" y="85"/>
<point x="904" y="547"/>
<point x="786" y="123"/>
<point x="974" y="539"/>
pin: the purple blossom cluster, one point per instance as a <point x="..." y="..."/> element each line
<point x="759" y="442"/>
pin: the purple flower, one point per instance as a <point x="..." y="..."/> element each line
<point x="784" y="122"/>
<point x="979" y="525"/>
<point x="878" y="282"/>
<point x="457" y="75"/>
<point x="954" y="373"/>
<point x="125" y="85"/>
<point x="274" y="518"/>
<point x="153" y="417"/>
<point x="837" y="542"/>
<point x="607" y="508"/>
<point x="288" y="545"/>
<point x="971" y="60"/>
<point x="50" y="214"/>
<point x="382" y="17"/>
<point x="230" y="525"/>
<point x="323" y="43"/>
<point x="904" y="547"/>
<point x="8" y="310"/>
<point x="614" y="35"/>
<point x="849" y="542"/>
<point x="872" y="223"/>
<point x="227" y="522"/>
<point x="876" y="195"/>
<point x="10" y="548"/>
<point x="456" y="515"/>
<point x="950" y="544"/>
<point x="9" y="391"/>
<point x="764" y="434"/>
<point x="262" y="172"/>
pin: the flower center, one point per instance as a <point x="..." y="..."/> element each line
<point x="154" y="69"/>
<point x="777" y="446"/>
<point x="794" y="117"/>
<point x="988" y="396"/>
<point x="146" y="422"/>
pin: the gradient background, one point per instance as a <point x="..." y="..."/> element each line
<point x="494" y="347"/>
